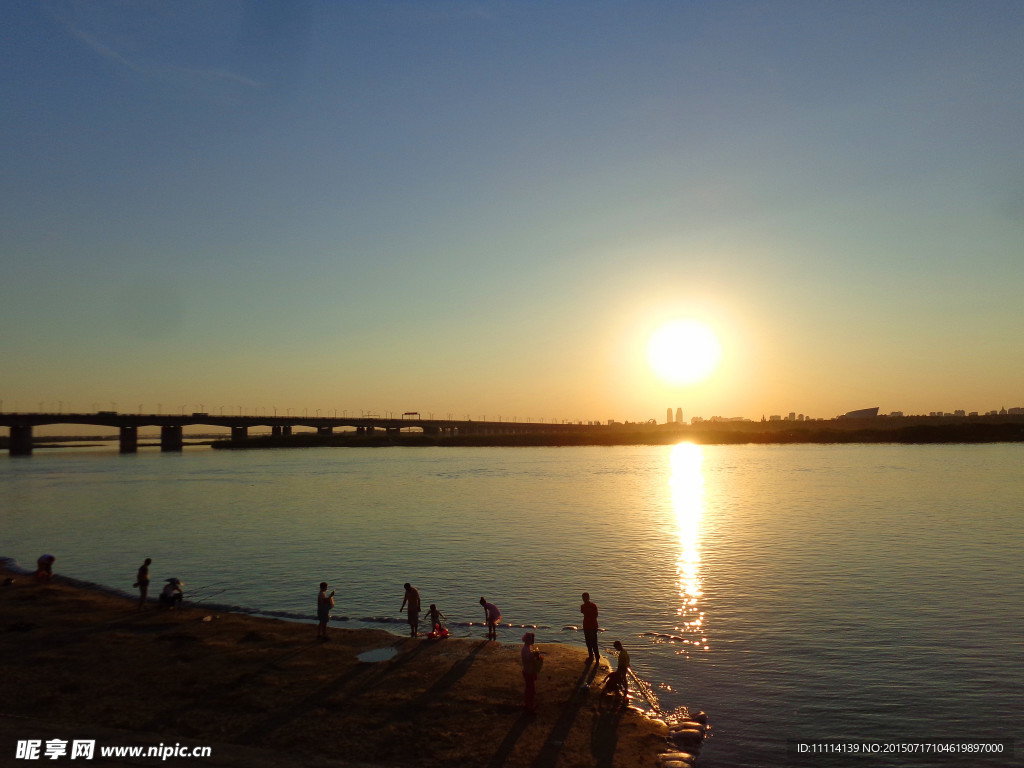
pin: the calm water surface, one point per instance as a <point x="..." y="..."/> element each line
<point x="792" y="592"/>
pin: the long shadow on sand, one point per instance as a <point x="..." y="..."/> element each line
<point x="208" y="696"/>
<point x="604" y="737"/>
<point x="508" y="744"/>
<point x="366" y="675"/>
<point x="443" y="684"/>
<point x="548" y="755"/>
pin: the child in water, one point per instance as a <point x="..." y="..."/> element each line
<point x="435" y="617"/>
<point x="435" y="621"/>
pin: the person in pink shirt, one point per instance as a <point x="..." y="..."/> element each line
<point x="492" y="616"/>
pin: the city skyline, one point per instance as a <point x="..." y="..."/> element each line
<point x="486" y="209"/>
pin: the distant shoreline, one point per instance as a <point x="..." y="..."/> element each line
<point x="745" y="433"/>
<point x="907" y="430"/>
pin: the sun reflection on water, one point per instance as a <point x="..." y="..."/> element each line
<point x="687" y="484"/>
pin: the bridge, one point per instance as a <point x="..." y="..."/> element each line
<point x="172" y="426"/>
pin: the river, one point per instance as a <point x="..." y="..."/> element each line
<point x="794" y="593"/>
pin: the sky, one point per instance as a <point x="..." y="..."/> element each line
<point x="485" y="209"/>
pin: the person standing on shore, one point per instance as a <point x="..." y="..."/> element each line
<point x="142" y="582"/>
<point x="590" y="627"/>
<point x="412" y="598"/>
<point x="324" y="603"/>
<point x="491" y="616"/>
<point x="622" y="669"/>
<point x="532" y="661"/>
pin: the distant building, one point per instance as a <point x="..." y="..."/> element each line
<point x="863" y="413"/>
<point x="668" y="416"/>
<point x="679" y="415"/>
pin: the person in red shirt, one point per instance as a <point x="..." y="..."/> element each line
<point x="590" y="627"/>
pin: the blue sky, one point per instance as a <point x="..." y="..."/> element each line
<point x="484" y="209"/>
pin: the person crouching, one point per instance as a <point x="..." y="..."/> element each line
<point x="171" y="595"/>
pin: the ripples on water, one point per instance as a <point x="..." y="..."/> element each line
<point x="804" y="592"/>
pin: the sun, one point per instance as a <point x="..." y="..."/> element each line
<point x="684" y="352"/>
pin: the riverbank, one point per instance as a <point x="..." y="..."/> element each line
<point x="81" y="663"/>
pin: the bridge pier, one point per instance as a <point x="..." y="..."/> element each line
<point x="170" y="439"/>
<point x="275" y="431"/>
<point x="286" y="431"/>
<point x="129" y="439"/>
<point x="239" y="434"/>
<point x="21" y="441"/>
<point x="324" y="430"/>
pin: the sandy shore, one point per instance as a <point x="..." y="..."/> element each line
<point x="79" y="663"/>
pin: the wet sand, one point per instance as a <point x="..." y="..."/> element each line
<point x="80" y="663"/>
